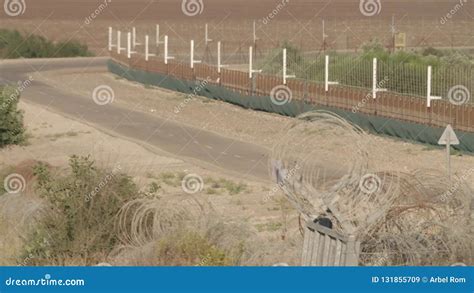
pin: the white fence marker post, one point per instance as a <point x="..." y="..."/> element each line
<point x="134" y="38"/>
<point x="119" y="42"/>
<point x="375" y="88"/>
<point x="111" y="45"/>
<point x="250" y="62"/>
<point x="147" y="48"/>
<point x="206" y="39"/>
<point x="192" y="61"/>
<point x="429" y="97"/>
<point x="129" y="45"/>
<point x="326" y="75"/>
<point x="285" y="76"/>
<point x="219" y="58"/>
<point x="251" y="71"/>
<point x="374" y="79"/>
<point x="158" y="42"/>
<point x="166" y="50"/>
<point x="166" y="57"/>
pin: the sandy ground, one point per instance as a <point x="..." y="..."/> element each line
<point x="54" y="138"/>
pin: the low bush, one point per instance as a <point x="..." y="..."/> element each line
<point x="12" y="130"/>
<point x="14" y="45"/>
<point x="77" y="227"/>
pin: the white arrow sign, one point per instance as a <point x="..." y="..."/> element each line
<point x="449" y="138"/>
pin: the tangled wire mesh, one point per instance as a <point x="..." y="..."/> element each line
<point x="326" y="167"/>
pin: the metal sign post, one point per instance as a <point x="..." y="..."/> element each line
<point x="324" y="36"/>
<point x="448" y="138"/>
<point x="327" y="83"/>
<point x="255" y="38"/>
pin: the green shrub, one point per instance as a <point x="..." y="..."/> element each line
<point x="15" y="45"/>
<point x="77" y="227"/>
<point x="12" y="130"/>
<point x="186" y="248"/>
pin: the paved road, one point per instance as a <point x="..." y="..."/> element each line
<point x="248" y="160"/>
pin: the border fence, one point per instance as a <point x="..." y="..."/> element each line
<point x="360" y="85"/>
